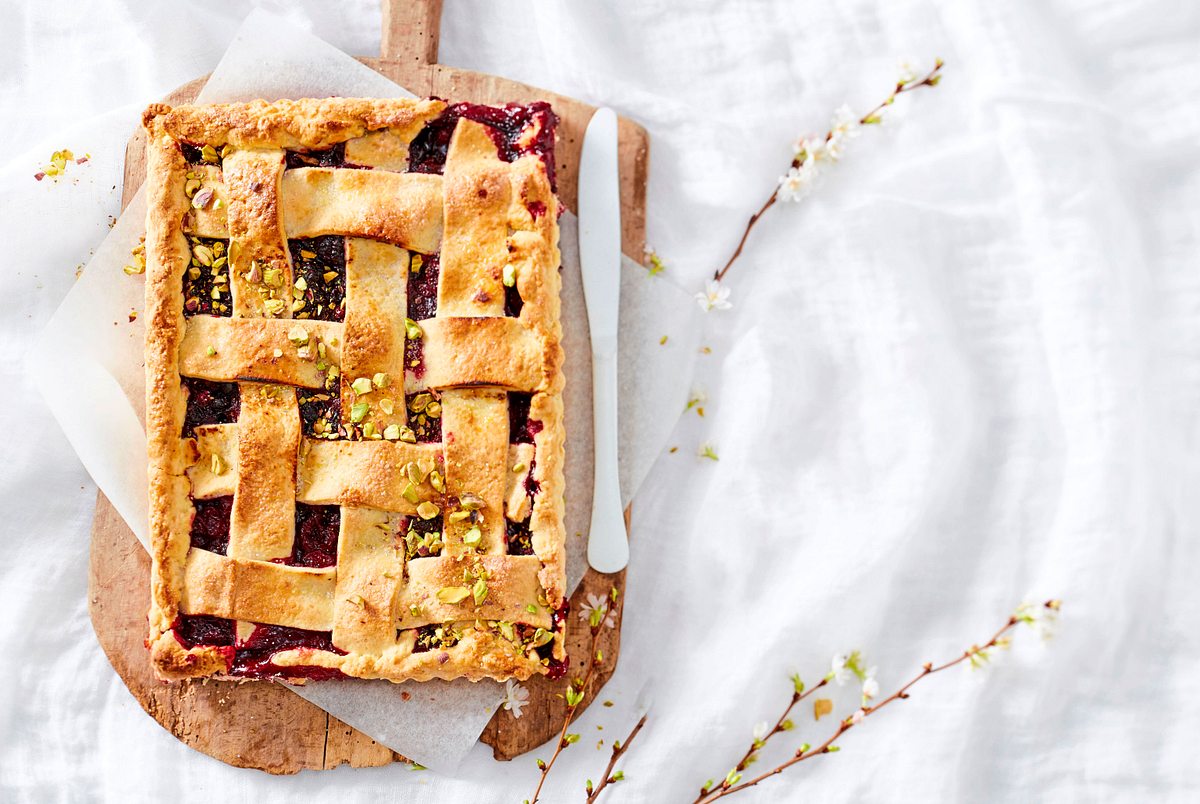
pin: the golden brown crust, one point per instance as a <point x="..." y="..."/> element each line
<point x="393" y="608"/>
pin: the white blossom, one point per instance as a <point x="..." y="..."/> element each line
<point x="515" y="697"/>
<point x="799" y="180"/>
<point x="857" y="717"/>
<point x="840" y="669"/>
<point x="597" y="603"/>
<point x="715" y="296"/>
<point x="870" y="687"/>
<point x="845" y="127"/>
<point x="760" y="730"/>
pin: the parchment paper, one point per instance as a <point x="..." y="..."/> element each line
<point x="90" y="367"/>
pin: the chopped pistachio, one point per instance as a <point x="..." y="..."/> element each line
<point x="211" y="351"/>
<point x="278" y="353"/>
<point x="473" y="537"/>
<point x="459" y="516"/>
<point x="356" y="600"/>
<point x="218" y="247"/>
<point x="209" y="154"/>
<point x="412" y="329"/>
<point x="361" y="385"/>
<point x="506" y="630"/>
<point x="453" y="594"/>
<point x="203" y="254"/>
<point x="407" y="435"/>
<point x="298" y="335"/>
<point x="470" y="502"/>
<point x="419" y="402"/>
<point x="532" y="609"/>
<point x="358" y="411"/>
<point x="190" y="187"/>
<point x="427" y="510"/>
<point x="417" y="262"/>
<point x="414" y="472"/>
<point x="273" y="277"/>
<point x="415" y="610"/>
<point x="308" y="255"/>
<point x="509" y="275"/>
<point x="480" y="591"/>
<point x="389" y="408"/>
<point x="273" y="306"/>
<point x="300" y="284"/>
<point x="519" y="467"/>
<point x="297" y="305"/>
<point x="542" y="637"/>
<point x="217" y="464"/>
<point x="436" y="480"/>
<point x="433" y="410"/>
<point x="219" y="262"/>
<point x="329" y="276"/>
<point x="381" y="380"/>
<point x="203" y="198"/>
<point x="368" y="430"/>
<point x="392" y="432"/>
<point x="410" y="494"/>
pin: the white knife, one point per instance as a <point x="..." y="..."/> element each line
<point x="600" y="257"/>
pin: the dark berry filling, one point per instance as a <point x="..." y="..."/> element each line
<point x="556" y="669"/>
<point x="425" y="417"/>
<point x="253" y="657"/>
<point x="532" y="487"/>
<point x="209" y="403"/>
<point x="520" y="538"/>
<point x="201" y="629"/>
<point x="506" y="124"/>
<point x="319" y="269"/>
<point x="210" y="525"/>
<point x="430" y="637"/>
<point x="206" y="280"/>
<point x="536" y="208"/>
<point x="316" y="539"/>
<point x="423" y="286"/>
<point x="328" y="157"/>
<point x="521" y="428"/>
<point x="320" y="413"/>
<point x="194" y="154"/>
<point x="512" y="301"/>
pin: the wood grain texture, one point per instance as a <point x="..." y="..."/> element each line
<point x="241" y="723"/>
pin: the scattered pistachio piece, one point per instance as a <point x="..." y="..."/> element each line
<point x="436" y="480"/>
<point x="412" y="329"/>
<point x="518" y="468"/>
<point x="392" y="432"/>
<point x="480" y="591"/>
<point x="473" y="537"/>
<point x="433" y="410"/>
<point x="190" y="187"/>
<point x="329" y="276"/>
<point x="278" y="353"/>
<point x="417" y="262"/>
<point x="217" y="464"/>
<point x="419" y="402"/>
<point x="453" y="594"/>
<point x="381" y="380"/>
<point x="407" y="435"/>
<point x="509" y="276"/>
<point x="427" y="510"/>
<point x="470" y="502"/>
<point x="298" y="335"/>
<point x="531" y="608"/>
<point x="414" y="472"/>
<point x="389" y="408"/>
<point x="358" y="411"/>
<point x="506" y="630"/>
<point x="211" y="351"/>
<point x="459" y="516"/>
<point x="368" y="430"/>
<point x="361" y="385"/>
<point x="410" y="493"/>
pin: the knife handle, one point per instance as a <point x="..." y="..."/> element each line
<point x="608" y="543"/>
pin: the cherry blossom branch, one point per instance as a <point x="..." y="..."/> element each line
<point x="577" y="689"/>
<point x="976" y="655"/>
<point x="618" y="750"/>
<point x="830" y="147"/>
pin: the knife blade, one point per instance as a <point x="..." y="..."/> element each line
<point x="600" y="258"/>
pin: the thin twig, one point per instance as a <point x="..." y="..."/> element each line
<point x="757" y="745"/>
<point x="845" y="725"/>
<point x="618" y="750"/>
<point x="580" y="688"/>
<point x="929" y="80"/>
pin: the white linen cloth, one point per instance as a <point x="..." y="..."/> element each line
<point x="963" y="373"/>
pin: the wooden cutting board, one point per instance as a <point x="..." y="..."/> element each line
<point x="264" y="725"/>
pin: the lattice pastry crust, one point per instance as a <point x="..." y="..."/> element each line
<point x="354" y="391"/>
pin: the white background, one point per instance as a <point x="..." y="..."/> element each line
<point x="964" y="373"/>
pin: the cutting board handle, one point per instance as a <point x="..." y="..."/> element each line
<point x="410" y="30"/>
